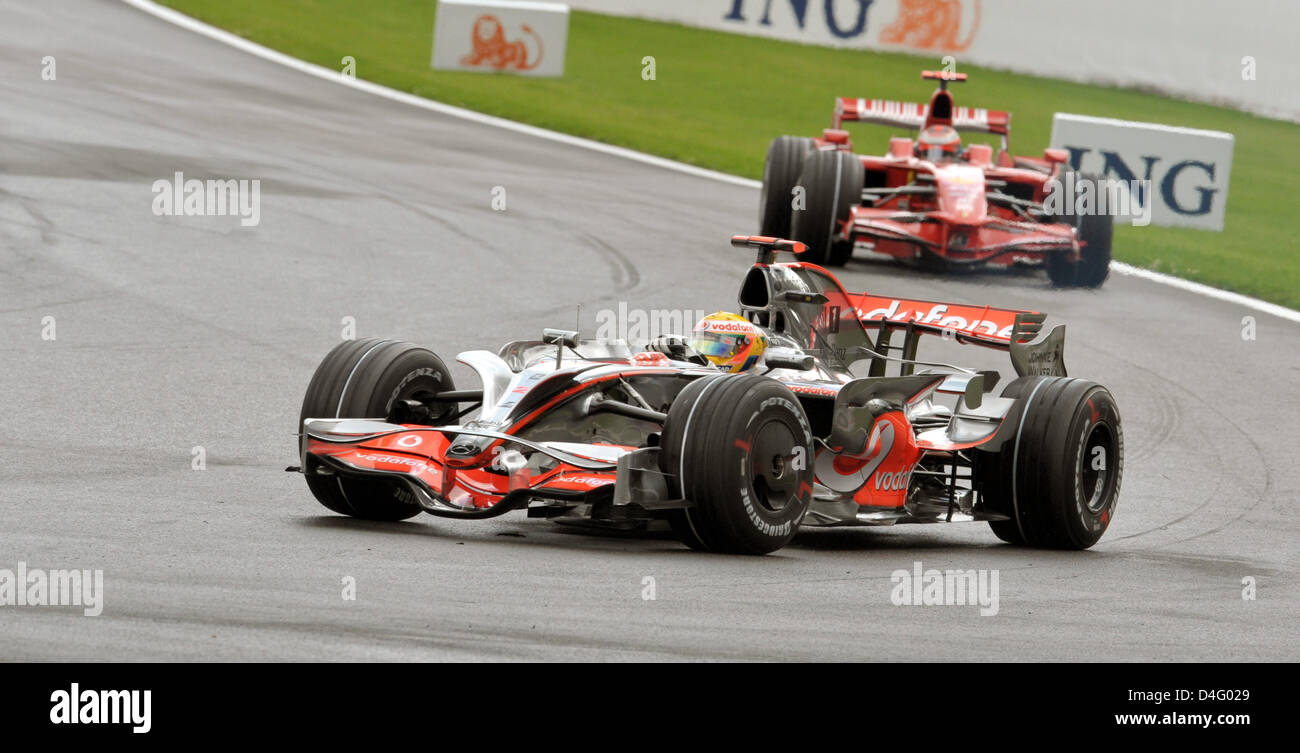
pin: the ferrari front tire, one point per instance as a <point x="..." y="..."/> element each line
<point x="739" y="449"/>
<point x="832" y="183"/>
<point x="781" y="171"/>
<point x="363" y="379"/>
<point x="1096" y="231"/>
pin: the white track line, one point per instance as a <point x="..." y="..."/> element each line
<point x="192" y="24"/>
<point x="1195" y="287"/>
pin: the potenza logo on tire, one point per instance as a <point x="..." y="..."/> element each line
<point x="433" y="374"/>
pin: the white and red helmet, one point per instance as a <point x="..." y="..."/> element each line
<point x="938" y="143"/>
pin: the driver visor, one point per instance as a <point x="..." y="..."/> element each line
<point x="716" y="345"/>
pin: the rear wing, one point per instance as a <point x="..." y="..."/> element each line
<point x="912" y="115"/>
<point x="1013" y="330"/>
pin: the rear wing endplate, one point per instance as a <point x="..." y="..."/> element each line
<point x="1044" y="356"/>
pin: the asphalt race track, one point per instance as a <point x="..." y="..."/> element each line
<point x="181" y="332"/>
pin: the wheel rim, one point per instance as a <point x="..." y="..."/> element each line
<point x="775" y="481"/>
<point x="1097" y="468"/>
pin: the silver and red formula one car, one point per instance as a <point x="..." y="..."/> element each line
<point x="839" y="424"/>
<point x="928" y="198"/>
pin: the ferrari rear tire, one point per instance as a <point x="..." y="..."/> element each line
<point x="1096" y="232"/>
<point x="1058" y="477"/>
<point x="781" y="171"/>
<point x="363" y="379"/>
<point x="739" y="448"/>
<point x="832" y="183"/>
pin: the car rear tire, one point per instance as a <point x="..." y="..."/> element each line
<point x="1096" y="231"/>
<point x="733" y="444"/>
<point x="781" y="171"/>
<point x="1058" y="477"/>
<point x="363" y="379"/>
<point x="832" y="183"/>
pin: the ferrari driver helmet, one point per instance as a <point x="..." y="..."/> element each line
<point x="729" y="341"/>
<point x="938" y="142"/>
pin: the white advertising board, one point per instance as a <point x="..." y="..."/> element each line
<point x="1236" y="52"/>
<point x="1187" y="169"/>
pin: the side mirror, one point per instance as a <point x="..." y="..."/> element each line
<point x="560" y="337"/>
<point x="835" y="136"/>
<point x="787" y="358"/>
<point x="795" y="296"/>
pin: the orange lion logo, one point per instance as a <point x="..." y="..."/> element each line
<point x="491" y="48"/>
<point x="930" y="25"/>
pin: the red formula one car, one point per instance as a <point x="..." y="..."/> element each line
<point x="928" y="199"/>
<point x="839" y="424"/>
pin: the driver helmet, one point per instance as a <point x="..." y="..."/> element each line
<point x="729" y="341"/>
<point x="938" y="143"/>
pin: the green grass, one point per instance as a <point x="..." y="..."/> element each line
<point x="718" y="99"/>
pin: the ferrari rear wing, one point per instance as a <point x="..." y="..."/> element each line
<point x="912" y="115"/>
<point x="1013" y="330"/>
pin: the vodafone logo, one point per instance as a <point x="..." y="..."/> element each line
<point x="585" y="480"/>
<point x="729" y="327"/>
<point x="939" y="314"/>
<point x="891" y="482"/>
<point x="806" y="389"/>
<point x="392" y="460"/>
